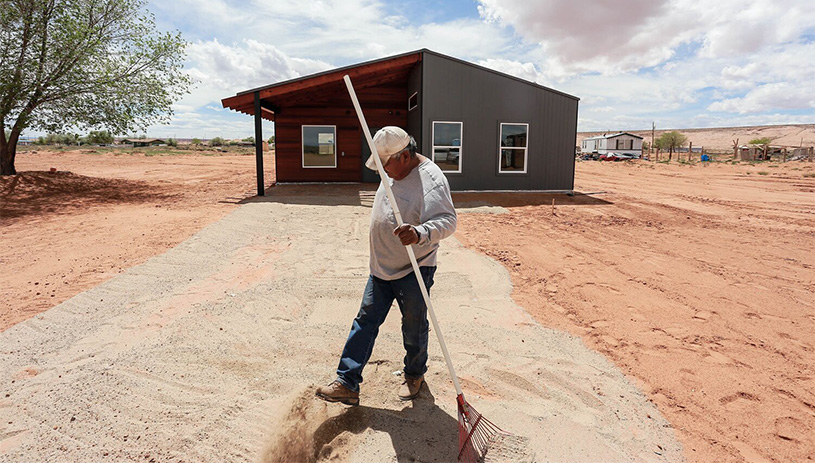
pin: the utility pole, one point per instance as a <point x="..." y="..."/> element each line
<point x="653" y="127"/>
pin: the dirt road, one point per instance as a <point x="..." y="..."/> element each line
<point x="699" y="281"/>
<point x="210" y="352"/>
<point x="102" y="213"/>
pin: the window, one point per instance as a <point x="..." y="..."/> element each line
<point x="413" y="101"/>
<point x="319" y="146"/>
<point x="514" y="143"/>
<point x="447" y="145"/>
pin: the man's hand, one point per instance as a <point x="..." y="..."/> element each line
<point x="407" y="234"/>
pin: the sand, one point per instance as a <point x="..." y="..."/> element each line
<point x="696" y="283"/>
<point x="211" y="352"/>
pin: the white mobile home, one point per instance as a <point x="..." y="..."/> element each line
<point x="622" y="143"/>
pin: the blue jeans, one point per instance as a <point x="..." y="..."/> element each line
<point x="376" y="303"/>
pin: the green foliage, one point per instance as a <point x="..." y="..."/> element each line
<point x="172" y="142"/>
<point x="250" y="140"/>
<point x="85" y="64"/>
<point x="670" y="140"/>
<point x="761" y="141"/>
<point x="271" y="140"/>
<point x="658" y="144"/>
<point x="217" y="141"/>
<point x="60" y="139"/>
<point x="196" y="141"/>
<point x="97" y="137"/>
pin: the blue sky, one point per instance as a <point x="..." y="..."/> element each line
<point x="678" y="63"/>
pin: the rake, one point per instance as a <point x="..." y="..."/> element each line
<point x="475" y="433"/>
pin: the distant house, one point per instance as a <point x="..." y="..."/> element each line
<point x="623" y="143"/>
<point x="142" y="142"/>
<point x="751" y="152"/>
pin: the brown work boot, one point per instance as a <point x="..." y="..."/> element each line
<point x="336" y="392"/>
<point x="410" y="388"/>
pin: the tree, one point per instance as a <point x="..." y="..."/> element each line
<point x="195" y="141"/>
<point x="764" y="142"/>
<point x="97" y="137"/>
<point x="217" y="141"/>
<point x="84" y="64"/>
<point x="669" y="141"/>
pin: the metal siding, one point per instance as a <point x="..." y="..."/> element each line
<point x="455" y="91"/>
<point x="414" y="119"/>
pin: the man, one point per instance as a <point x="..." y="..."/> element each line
<point x="423" y="198"/>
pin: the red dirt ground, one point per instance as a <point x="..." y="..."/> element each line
<point x="697" y="281"/>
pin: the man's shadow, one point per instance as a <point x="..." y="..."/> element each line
<point x="420" y="432"/>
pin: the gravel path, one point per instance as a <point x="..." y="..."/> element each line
<point x="211" y="351"/>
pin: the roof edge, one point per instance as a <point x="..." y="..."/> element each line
<point x="617" y="134"/>
<point x="330" y="71"/>
<point x="401" y="55"/>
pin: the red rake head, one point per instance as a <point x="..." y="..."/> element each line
<point x="475" y="433"/>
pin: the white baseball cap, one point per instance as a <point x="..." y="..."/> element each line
<point x="388" y="141"/>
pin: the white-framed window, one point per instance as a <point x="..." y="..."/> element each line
<point x="447" y="145"/>
<point x="319" y="146"/>
<point x="413" y="101"/>
<point x="513" y="148"/>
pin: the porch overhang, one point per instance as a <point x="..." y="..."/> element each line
<point x="307" y="90"/>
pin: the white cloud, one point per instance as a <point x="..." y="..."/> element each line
<point x="527" y="71"/>
<point x="769" y="97"/>
<point x="223" y="70"/>
<point x="630" y="61"/>
<point x="613" y="36"/>
<point x="777" y="79"/>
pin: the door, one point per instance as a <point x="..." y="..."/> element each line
<point x="368" y="176"/>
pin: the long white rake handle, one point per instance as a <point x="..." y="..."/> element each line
<point x="396" y="213"/>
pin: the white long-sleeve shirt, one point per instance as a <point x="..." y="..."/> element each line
<point x="424" y="200"/>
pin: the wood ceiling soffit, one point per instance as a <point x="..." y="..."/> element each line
<point x="367" y="76"/>
<point x="336" y="77"/>
<point x="327" y="91"/>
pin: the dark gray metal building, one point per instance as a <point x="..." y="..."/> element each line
<point x="485" y="129"/>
